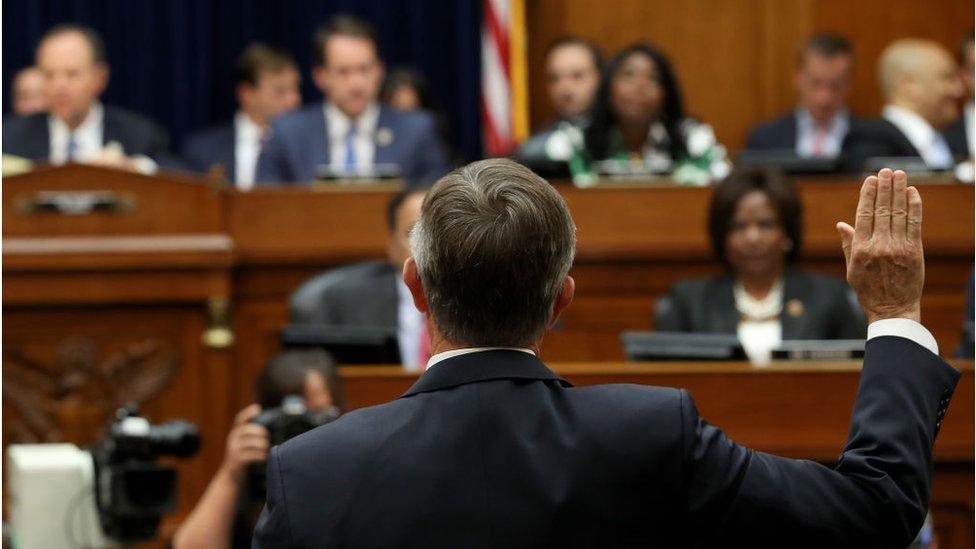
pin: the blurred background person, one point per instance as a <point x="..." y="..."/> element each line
<point x="351" y="132"/>
<point x="639" y="119"/>
<point x="818" y="125"/>
<point x="407" y="89"/>
<point x="573" y="68"/>
<point x="77" y="127"/>
<point x="755" y="226"/>
<point x="372" y="293"/>
<point x="28" y="92"/>
<point x="921" y="86"/>
<point x="962" y="133"/>
<point x="266" y="83"/>
<point x="226" y="513"/>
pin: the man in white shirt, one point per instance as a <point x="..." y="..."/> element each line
<point x="921" y="86"/>
<point x="77" y="127"/>
<point x="821" y="120"/>
<point x="372" y="293"/>
<point x="267" y="84"/>
<point x="351" y="134"/>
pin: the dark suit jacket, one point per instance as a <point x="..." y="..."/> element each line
<point x="827" y="310"/>
<point x="776" y="134"/>
<point x="492" y="450"/>
<point x="781" y="133"/>
<point x="873" y="138"/>
<point x="299" y="144"/>
<point x="28" y="136"/>
<point x="212" y="146"/>
<point x="955" y="136"/>
<point x="363" y="294"/>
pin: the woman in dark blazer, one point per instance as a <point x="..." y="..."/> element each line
<point x="755" y="226"/>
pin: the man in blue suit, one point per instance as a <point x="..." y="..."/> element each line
<point x="266" y="81"/>
<point x="350" y="133"/>
<point x="818" y="125"/>
<point x="490" y="448"/>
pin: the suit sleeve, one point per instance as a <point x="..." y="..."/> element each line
<point x="273" y="528"/>
<point x="433" y="155"/>
<point x="876" y="496"/>
<point x="273" y="162"/>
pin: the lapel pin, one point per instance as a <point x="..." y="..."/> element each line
<point x="384" y="136"/>
<point x="794" y="308"/>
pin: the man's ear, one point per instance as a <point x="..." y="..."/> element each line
<point x="563" y="299"/>
<point x="411" y="277"/>
<point x="321" y="78"/>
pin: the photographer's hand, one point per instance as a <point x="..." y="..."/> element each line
<point x="247" y="443"/>
<point x="210" y="524"/>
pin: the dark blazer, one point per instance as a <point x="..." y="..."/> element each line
<point x="827" y="309"/>
<point x="212" y="146"/>
<point x="776" y="134"/>
<point x="299" y="144"/>
<point x="28" y="136"/>
<point x="364" y="294"/>
<point x="880" y="137"/>
<point x="955" y="136"/>
<point x="781" y="133"/>
<point x="492" y="449"/>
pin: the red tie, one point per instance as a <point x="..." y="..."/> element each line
<point x="424" y="355"/>
<point x="819" y="136"/>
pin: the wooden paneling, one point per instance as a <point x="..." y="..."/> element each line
<point x="735" y="58"/>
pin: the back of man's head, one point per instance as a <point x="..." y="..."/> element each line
<point x="493" y="247"/>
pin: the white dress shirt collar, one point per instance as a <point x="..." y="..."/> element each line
<point x="919" y="132"/>
<point x="88" y="136"/>
<point x="440" y="357"/>
<point x="247" y="147"/>
<point x="806" y="128"/>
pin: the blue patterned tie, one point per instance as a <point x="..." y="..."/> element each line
<point x="350" y="162"/>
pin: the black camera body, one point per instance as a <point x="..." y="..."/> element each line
<point x="132" y="491"/>
<point x="285" y="422"/>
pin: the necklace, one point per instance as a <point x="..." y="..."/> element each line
<point x="767" y="308"/>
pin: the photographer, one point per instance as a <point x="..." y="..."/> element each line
<point x="225" y="515"/>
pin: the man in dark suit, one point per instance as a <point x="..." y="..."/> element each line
<point x="816" y="129"/>
<point x="921" y="86"/>
<point x="266" y="82"/>
<point x="961" y="134"/>
<point x="491" y="449"/>
<point x="77" y="127"/>
<point x="573" y="67"/>
<point x="372" y="293"/>
<point x="351" y="133"/>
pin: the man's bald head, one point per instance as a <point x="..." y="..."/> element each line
<point x="920" y="75"/>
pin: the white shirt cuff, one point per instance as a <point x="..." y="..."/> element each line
<point x="145" y="165"/>
<point x="903" y="327"/>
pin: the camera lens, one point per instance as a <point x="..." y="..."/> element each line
<point x="175" y="438"/>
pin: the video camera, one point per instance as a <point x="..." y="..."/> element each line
<point x="114" y="493"/>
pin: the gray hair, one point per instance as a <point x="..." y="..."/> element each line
<point x="493" y="245"/>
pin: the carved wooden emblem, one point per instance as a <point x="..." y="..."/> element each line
<point x="72" y="398"/>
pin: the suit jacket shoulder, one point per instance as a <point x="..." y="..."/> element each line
<point x="874" y="138"/>
<point x="211" y="146"/>
<point x="26" y="136"/>
<point x="362" y="294"/>
<point x="776" y="134"/>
